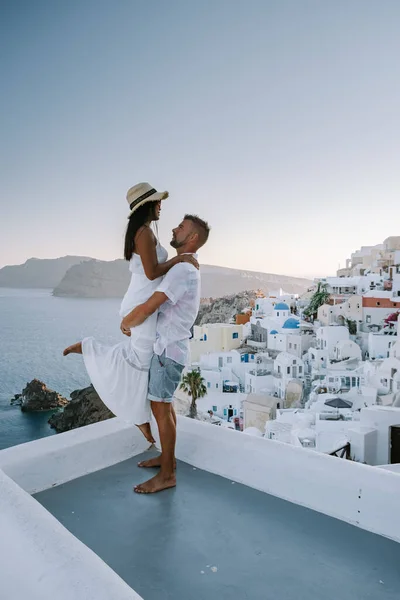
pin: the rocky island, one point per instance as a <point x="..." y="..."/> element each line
<point x="37" y="397"/>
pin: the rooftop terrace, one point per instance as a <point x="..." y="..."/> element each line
<point x="210" y="539"/>
<point x="250" y="519"/>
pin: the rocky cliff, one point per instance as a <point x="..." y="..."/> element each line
<point x="37" y="397"/>
<point x="101" y="279"/>
<point x="222" y="310"/>
<point x="84" y="408"/>
<point x="38" y="273"/>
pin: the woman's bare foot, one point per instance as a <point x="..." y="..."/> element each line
<point x="74" y="349"/>
<point x="145" y="428"/>
<point x="152" y="462"/>
<point x="158" y="483"/>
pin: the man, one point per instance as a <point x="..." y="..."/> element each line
<point x="177" y="299"/>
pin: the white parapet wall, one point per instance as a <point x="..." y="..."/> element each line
<point x="50" y="461"/>
<point x="41" y="560"/>
<point x="358" y="494"/>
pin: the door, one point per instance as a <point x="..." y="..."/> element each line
<point x="220" y="362"/>
<point x="395" y="444"/>
<point x="230" y="414"/>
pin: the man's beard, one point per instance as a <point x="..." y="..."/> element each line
<point x="176" y="244"/>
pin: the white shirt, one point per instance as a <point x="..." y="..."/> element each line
<point x="177" y="315"/>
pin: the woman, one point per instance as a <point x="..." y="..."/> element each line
<point x="120" y="373"/>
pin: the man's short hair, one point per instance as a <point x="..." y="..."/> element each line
<point x="202" y="228"/>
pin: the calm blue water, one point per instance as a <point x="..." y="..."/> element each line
<point x="35" y="327"/>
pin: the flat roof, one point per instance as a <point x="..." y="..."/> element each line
<point x="210" y="539"/>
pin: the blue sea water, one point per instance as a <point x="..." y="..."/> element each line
<point x="35" y="327"/>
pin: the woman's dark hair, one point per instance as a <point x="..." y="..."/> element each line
<point x="142" y="215"/>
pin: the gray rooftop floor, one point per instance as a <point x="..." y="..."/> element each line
<point x="164" y="545"/>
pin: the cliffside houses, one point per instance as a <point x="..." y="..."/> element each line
<point x="315" y="384"/>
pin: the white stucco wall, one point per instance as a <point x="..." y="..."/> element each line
<point x="379" y="345"/>
<point x="380" y="418"/>
<point x="50" y="461"/>
<point x="376" y="316"/>
<point x="359" y="494"/>
<point x="41" y="560"/>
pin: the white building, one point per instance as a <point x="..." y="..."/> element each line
<point x="328" y="337"/>
<point x="226" y="406"/>
<point x="395" y="272"/>
<point x="377" y="306"/>
<point x="376" y="439"/>
<point x="347" y="350"/>
<point x="285" y="342"/>
<point x="379" y="345"/>
<point x="286" y="368"/>
<point x="258" y="380"/>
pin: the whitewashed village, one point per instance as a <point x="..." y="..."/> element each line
<point x="320" y="371"/>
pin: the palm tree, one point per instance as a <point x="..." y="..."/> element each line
<point x="320" y="297"/>
<point x="193" y="384"/>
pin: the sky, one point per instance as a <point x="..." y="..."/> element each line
<point x="275" y="120"/>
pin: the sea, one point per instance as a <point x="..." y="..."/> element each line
<point x="35" y="327"/>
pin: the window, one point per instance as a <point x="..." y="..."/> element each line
<point x="235" y="335"/>
<point x="378" y="303"/>
<point x="353" y="382"/>
<point x="277" y="314"/>
<point x="300" y="369"/>
<point x="215" y="408"/>
<point x="208" y="384"/>
<point x="279" y="369"/>
<point x="290" y="345"/>
<point x="229" y="360"/>
<point x="368" y="319"/>
<point x="235" y="412"/>
<point x="225" y="412"/>
<point x="216" y="385"/>
<point x="288" y="370"/>
<point x="295" y="346"/>
<point x="205" y="337"/>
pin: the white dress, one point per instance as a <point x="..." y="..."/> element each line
<point x="120" y="373"/>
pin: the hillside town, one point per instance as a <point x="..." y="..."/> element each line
<point x="320" y="370"/>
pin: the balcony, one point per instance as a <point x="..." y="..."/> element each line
<point x="285" y="527"/>
<point x="260" y="372"/>
<point x="254" y="344"/>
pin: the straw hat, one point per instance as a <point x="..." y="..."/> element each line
<point x="141" y="193"/>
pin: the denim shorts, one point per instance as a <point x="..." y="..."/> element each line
<point x="164" y="377"/>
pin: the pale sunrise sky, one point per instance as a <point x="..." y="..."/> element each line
<point x="276" y="120"/>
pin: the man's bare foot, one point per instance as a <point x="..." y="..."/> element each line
<point x="156" y="484"/>
<point x="74" y="349"/>
<point x="152" y="462"/>
<point x="145" y="428"/>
